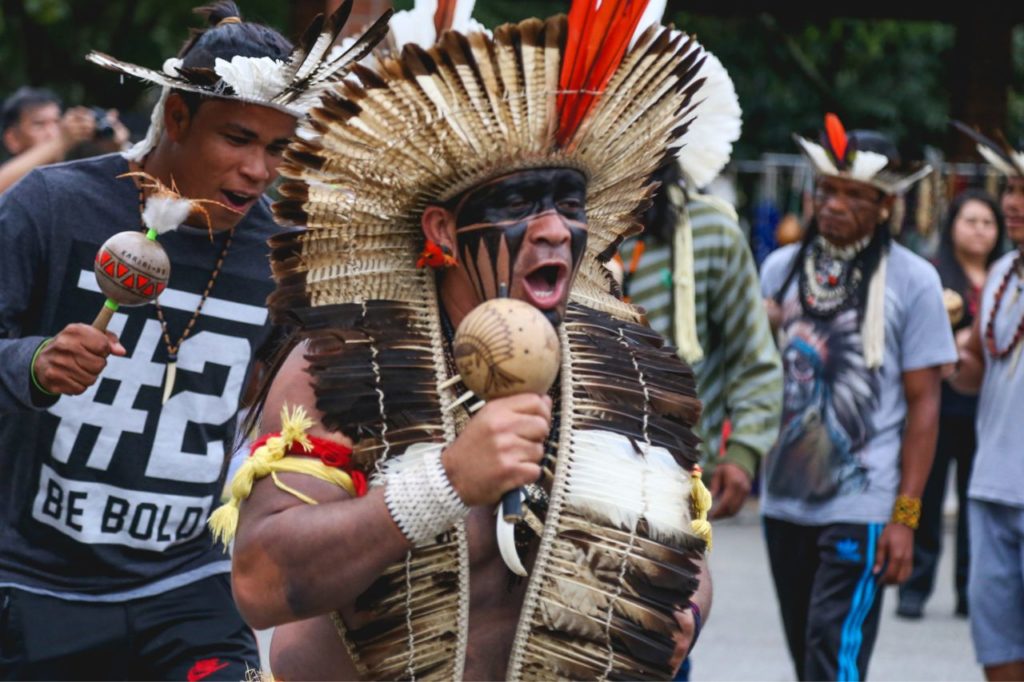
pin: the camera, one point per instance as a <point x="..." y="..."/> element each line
<point x="104" y="129"/>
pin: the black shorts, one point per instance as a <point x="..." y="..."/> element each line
<point x="191" y="633"/>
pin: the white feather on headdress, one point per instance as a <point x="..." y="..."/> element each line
<point x="252" y="78"/>
<point x="998" y="163"/>
<point x="717" y="126"/>
<point x="866" y="165"/>
<point x="817" y="155"/>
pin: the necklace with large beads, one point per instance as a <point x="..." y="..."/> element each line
<point x="830" y="276"/>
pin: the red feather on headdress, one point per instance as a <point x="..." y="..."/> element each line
<point x="598" y="37"/>
<point x="836" y="138"/>
<point x="444" y="16"/>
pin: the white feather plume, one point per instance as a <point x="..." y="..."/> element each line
<point x="817" y="155"/>
<point x="866" y="165"/>
<point x="463" y="21"/>
<point x="717" y="125"/>
<point x="609" y="480"/>
<point x="164" y="214"/>
<point x="414" y="25"/>
<point x="258" y="79"/>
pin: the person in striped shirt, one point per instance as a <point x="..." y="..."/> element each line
<point x="717" y="321"/>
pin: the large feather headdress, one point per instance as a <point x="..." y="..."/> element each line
<point x="292" y="85"/>
<point x="999" y="153"/>
<point x="430" y="124"/>
<point x="837" y="155"/>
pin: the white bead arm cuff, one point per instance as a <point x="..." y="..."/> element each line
<point x="422" y="501"/>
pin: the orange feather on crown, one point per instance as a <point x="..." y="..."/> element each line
<point x="836" y="138"/>
<point x="598" y="37"/>
<point x="444" y="15"/>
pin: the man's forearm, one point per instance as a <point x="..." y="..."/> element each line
<point x="16" y="390"/>
<point x="305" y="560"/>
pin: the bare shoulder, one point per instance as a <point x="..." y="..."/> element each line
<point x="291" y="388"/>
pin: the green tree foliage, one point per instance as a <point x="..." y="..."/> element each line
<point x="44" y="42"/>
<point x="886" y="75"/>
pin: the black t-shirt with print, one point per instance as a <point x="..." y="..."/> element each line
<point x="105" y="495"/>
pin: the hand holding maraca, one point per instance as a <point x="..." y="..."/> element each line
<point x="70" y="362"/>
<point x="507" y="354"/>
<point x="500" y="449"/>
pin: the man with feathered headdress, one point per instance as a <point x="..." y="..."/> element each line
<point x="864" y="336"/>
<point x="990" y="361"/>
<point x="113" y="445"/>
<point x="506" y="163"/>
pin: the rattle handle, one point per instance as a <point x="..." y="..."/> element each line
<point x="106" y="312"/>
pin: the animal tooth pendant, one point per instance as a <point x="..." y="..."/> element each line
<point x="172" y="370"/>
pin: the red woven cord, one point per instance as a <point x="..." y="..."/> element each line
<point x="329" y="452"/>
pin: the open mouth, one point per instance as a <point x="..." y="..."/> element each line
<point x="545" y="285"/>
<point x="237" y="200"/>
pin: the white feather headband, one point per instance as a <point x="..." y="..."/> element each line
<point x="837" y="157"/>
<point x="293" y="85"/>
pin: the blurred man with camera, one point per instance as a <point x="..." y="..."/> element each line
<point x="35" y="133"/>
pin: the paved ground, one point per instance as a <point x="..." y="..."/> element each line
<point x="743" y="639"/>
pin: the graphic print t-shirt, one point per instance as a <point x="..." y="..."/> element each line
<point x="106" y="494"/>
<point x="837" y="457"/>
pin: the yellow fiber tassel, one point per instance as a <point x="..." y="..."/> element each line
<point x="700" y="503"/>
<point x="224" y="522"/>
<point x="268" y="460"/>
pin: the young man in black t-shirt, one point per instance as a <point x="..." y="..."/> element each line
<point x="107" y="569"/>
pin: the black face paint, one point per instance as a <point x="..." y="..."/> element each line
<point x="492" y="222"/>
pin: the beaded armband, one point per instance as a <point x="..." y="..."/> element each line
<point x="421" y="499"/>
<point x="907" y="511"/>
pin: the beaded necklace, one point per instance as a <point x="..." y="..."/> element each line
<point x="831" y="276"/>
<point x="172" y="348"/>
<point x="990" y="327"/>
